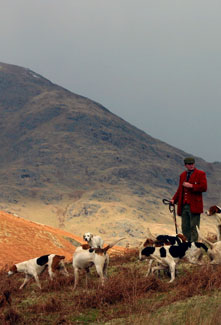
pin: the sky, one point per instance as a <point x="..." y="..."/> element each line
<point x="154" y="63"/>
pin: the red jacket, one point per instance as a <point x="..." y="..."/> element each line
<point x="198" y="179"/>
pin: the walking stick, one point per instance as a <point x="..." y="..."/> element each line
<point x="172" y="210"/>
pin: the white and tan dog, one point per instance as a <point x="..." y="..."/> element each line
<point x="93" y="241"/>
<point x="35" y="266"/>
<point x="215" y="210"/>
<point x="214" y="250"/>
<point x="84" y="257"/>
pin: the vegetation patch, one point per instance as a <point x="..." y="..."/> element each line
<point x="127" y="296"/>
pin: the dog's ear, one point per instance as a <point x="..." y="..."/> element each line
<point x="13" y="269"/>
<point x="84" y="236"/>
<point x="92" y="235"/>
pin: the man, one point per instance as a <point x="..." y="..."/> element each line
<point x="189" y="198"/>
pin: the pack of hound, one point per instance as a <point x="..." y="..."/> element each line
<point x="162" y="252"/>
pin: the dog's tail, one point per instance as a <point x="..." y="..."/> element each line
<point x="203" y="238"/>
<point x="105" y="249"/>
<point x="150" y="235"/>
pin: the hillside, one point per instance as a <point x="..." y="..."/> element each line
<point x="68" y="162"/>
<point x="21" y="240"/>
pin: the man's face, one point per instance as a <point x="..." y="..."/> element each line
<point x="190" y="166"/>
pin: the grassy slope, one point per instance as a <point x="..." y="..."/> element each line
<point x="128" y="297"/>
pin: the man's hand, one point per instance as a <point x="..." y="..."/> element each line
<point x="187" y="185"/>
<point x="172" y="202"/>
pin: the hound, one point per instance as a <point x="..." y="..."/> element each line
<point x="159" y="241"/>
<point x="84" y="257"/>
<point x="171" y="240"/>
<point x="214" y="250"/>
<point x="169" y="256"/>
<point x="165" y="239"/>
<point x="93" y="241"/>
<point x="215" y="210"/>
<point x="35" y="266"/>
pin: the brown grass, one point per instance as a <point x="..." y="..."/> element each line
<point x="126" y="293"/>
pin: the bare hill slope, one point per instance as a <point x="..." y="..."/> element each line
<point x="22" y="239"/>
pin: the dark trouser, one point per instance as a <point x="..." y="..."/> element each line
<point x="189" y="223"/>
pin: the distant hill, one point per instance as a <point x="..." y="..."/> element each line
<point x="68" y="162"/>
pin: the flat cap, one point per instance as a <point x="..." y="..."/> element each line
<point x="189" y="160"/>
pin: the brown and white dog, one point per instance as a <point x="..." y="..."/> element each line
<point x="93" y="241"/>
<point x="84" y="257"/>
<point x="35" y="266"/>
<point x="215" y="210"/>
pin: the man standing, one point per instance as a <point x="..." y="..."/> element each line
<point x="189" y="198"/>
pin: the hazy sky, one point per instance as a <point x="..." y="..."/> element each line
<point x="155" y="63"/>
